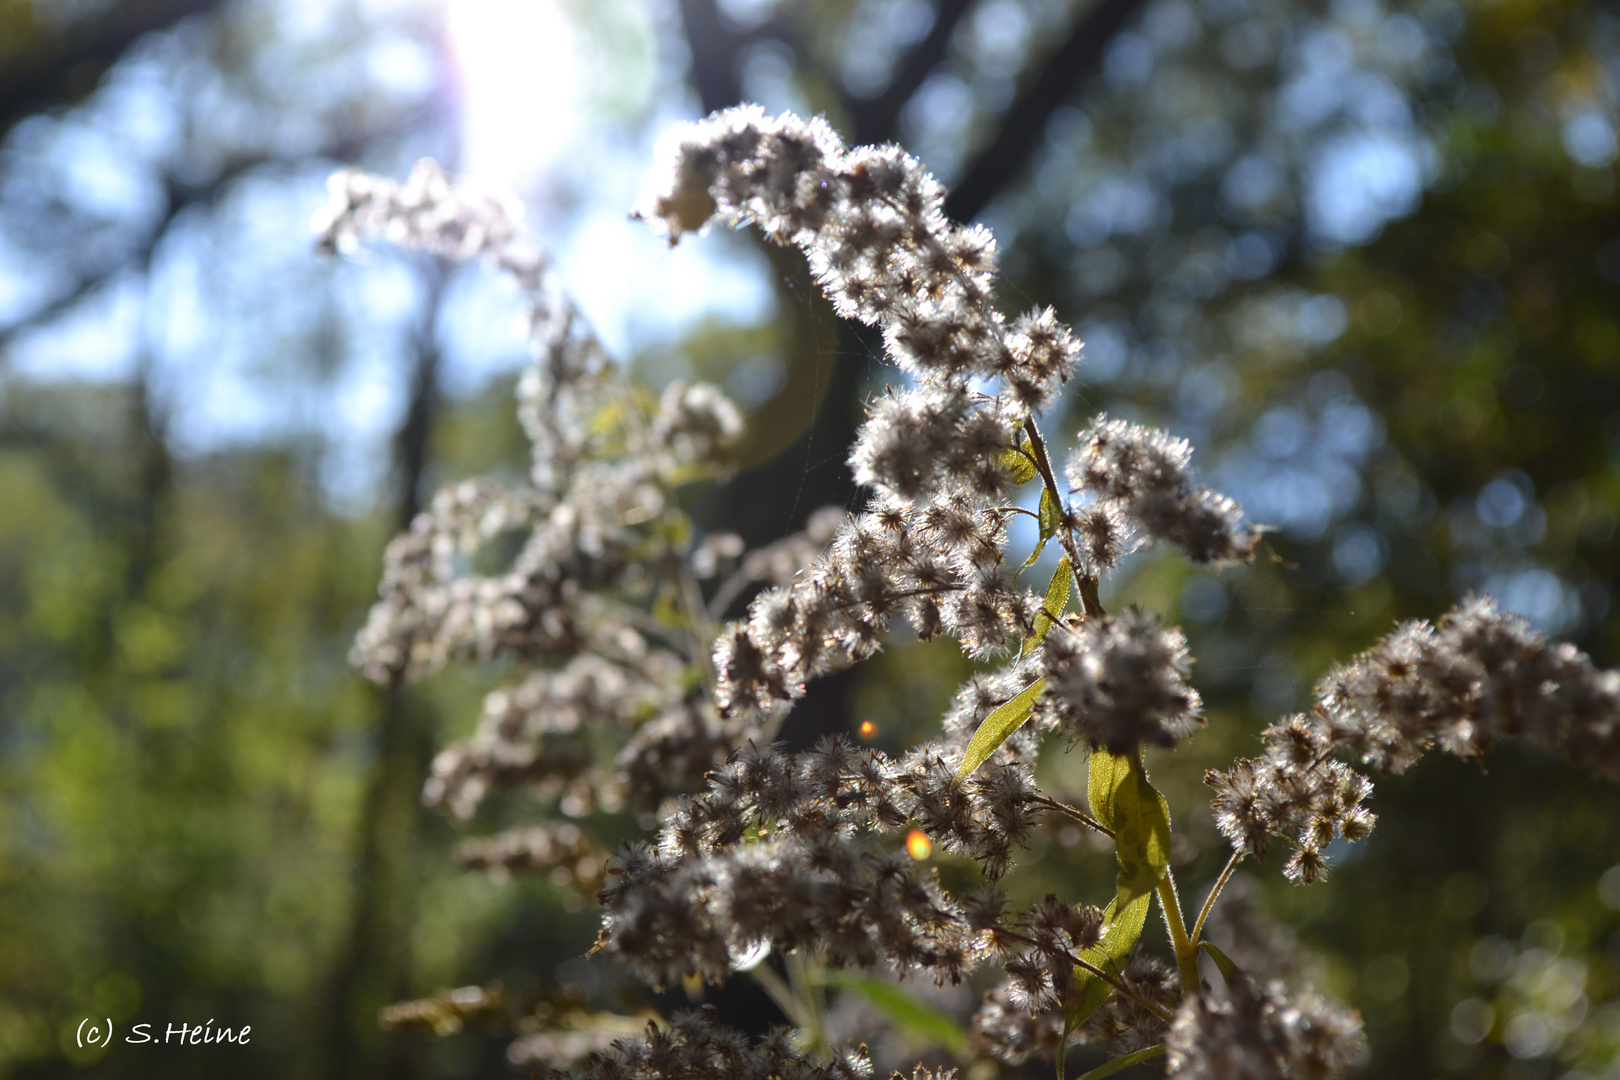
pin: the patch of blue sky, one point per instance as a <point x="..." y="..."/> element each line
<point x="249" y="335"/>
<point x="1361" y="179"/>
<point x="98" y="341"/>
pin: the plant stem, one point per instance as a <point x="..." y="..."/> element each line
<point x="1118" y="984"/>
<point x="697" y="613"/>
<point x="1043" y="464"/>
<point x="1215" y="891"/>
<point x="807" y="990"/>
<point x="779" y="992"/>
<point x="1170" y="904"/>
<point x="1186" y="951"/>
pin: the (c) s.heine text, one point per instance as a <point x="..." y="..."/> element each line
<point x="188" y="1034"/>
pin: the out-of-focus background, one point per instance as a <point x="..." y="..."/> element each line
<point x="1366" y="256"/>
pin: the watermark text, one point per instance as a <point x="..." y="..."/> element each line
<point x="100" y="1033"/>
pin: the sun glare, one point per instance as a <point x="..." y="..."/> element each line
<point x="519" y="82"/>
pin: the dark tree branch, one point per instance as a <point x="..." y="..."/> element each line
<point x="50" y="72"/>
<point x="876" y="120"/>
<point x="714" y="54"/>
<point x="1024" y="122"/>
<point x="50" y="311"/>
<point x="181" y="197"/>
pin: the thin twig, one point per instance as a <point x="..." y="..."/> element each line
<point x="697" y="613"/>
<point x="1215" y="891"/>
<point x="1170" y="903"/>
<point x="904" y="594"/>
<point x="1043" y="464"/>
<point x="1074" y="812"/>
<point x="731" y="587"/>
<point x="682" y="641"/>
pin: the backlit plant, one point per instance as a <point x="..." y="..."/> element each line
<point x="660" y="664"/>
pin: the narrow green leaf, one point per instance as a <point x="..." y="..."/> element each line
<point x="1057" y="598"/>
<point x="1021" y="463"/>
<point x="1229" y="971"/>
<point x="1119" y="937"/>
<point x="905" y="1012"/>
<point x="997" y="726"/>
<point x="1122" y="1063"/>
<point x="1029" y="562"/>
<point x="1051" y="514"/>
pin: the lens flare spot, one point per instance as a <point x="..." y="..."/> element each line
<point x="868" y="729"/>
<point x="918" y="846"/>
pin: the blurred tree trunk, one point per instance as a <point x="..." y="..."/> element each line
<point x="375" y="966"/>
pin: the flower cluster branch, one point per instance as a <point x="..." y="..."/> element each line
<point x="1476" y="675"/>
<point x="635" y="704"/>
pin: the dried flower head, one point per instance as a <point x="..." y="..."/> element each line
<point x="1141" y="474"/>
<point x="772" y="853"/>
<point x="1477" y="675"/>
<point x="1259" y="1033"/>
<point x="1116" y="681"/>
<point x="696" y="1046"/>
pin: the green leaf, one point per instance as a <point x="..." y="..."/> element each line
<point x="1229" y="971"/>
<point x="1021" y="463"/>
<point x="1141" y="837"/>
<point x="666" y="609"/>
<point x="1051" y="514"/>
<point x="1119" y="937"/>
<point x="1057" y="598"/>
<point x="1123" y="800"/>
<point x="905" y="1012"/>
<point x="997" y="726"/>
<point x="1029" y="562"/>
<point x="1051" y="517"/>
<point x="1121" y="1063"/>
<point x="1107" y="772"/>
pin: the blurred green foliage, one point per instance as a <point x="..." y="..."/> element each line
<point x="187" y="751"/>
